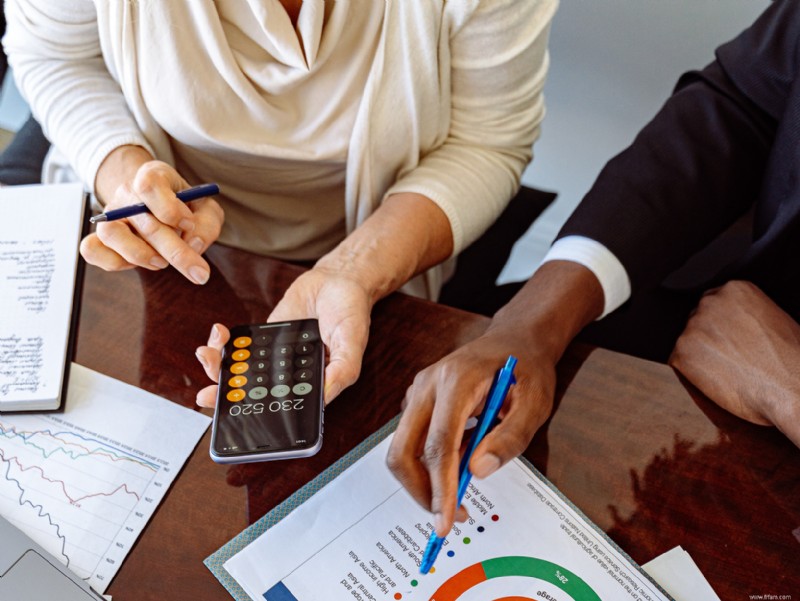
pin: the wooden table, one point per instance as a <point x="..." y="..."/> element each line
<point x="645" y="456"/>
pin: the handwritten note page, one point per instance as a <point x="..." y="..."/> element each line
<point x="40" y="229"/>
<point x="362" y="537"/>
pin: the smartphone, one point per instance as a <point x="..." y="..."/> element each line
<point x="270" y="402"/>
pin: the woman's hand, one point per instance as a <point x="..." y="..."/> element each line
<point x="342" y="307"/>
<point x="173" y="233"/>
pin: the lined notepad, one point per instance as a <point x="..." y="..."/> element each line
<point x="40" y="232"/>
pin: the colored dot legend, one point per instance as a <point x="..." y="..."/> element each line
<point x="414" y="583"/>
<point x="467" y="540"/>
<point x="398" y="596"/>
<point x="451" y="553"/>
<point x="495" y="517"/>
<point x="433" y="571"/>
<point x="481" y="528"/>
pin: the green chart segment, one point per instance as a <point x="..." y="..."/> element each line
<point x="530" y="567"/>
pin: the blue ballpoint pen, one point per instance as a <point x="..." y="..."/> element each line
<point x="187" y="195"/>
<point x="497" y="394"/>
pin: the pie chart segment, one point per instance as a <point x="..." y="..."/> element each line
<point x="515" y="565"/>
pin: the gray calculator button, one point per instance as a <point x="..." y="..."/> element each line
<point x="279" y="391"/>
<point x="258" y="393"/>
<point x="303" y="375"/>
<point x="302" y="362"/>
<point x="302" y="388"/>
<point x="281" y="377"/>
<point x="262" y="339"/>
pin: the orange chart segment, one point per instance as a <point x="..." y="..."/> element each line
<point x="532" y="567"/>
<point x="463" y="581"/>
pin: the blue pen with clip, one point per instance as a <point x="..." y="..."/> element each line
<point x="188" y="195"/>
<point x="503" y="380"/>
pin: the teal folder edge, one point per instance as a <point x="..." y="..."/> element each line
<point x="215" y="561"/>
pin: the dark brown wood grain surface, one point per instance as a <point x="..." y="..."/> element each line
<point x="640" y="452"/>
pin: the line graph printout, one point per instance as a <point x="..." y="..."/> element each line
<point x="362" y="537"/>
<point x="83" y="483"/>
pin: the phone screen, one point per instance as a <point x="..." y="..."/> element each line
<point x="269" y="404"/>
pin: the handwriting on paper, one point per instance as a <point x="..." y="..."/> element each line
<point x="27" y="272"/>
<point x="21" y="361"/>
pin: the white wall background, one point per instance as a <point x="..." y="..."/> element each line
<point x="613" y="63"/>
<point x="13" y="110"/>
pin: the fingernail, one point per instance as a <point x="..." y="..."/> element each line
<point x="198" y="275"/>
<point x="332" y="391"/>
<point x="197" y="245"/>
<point x="200" y="358"/>
<point x="485" y="465"/>
<point x="215" y="334"/>
<point x="438" y="524"/>
<point x="159" y="262"/>
<point x="187" y="225"/>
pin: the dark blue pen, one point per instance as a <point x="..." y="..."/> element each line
<point x="503" y="380"/>
<point x="187" y="195"/>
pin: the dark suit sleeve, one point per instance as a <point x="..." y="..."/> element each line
<point x="700" y="163"/>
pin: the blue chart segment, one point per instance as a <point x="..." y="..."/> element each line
<point x="82" y="496"/>
<point x="279" y="592"/>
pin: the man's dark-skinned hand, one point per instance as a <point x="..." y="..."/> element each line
<point x="743" y="352"/>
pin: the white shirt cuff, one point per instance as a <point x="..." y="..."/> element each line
<point x="600" y="261"/>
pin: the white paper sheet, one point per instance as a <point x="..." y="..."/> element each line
<point x="362" y="538"/>
<point x="84" y="483"/>
<point x="679" y="575"/>
<point x="40" y="229"/>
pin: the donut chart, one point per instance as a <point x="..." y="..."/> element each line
<point x="515" y="565"/>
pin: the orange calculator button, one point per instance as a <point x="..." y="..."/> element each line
<point x="237" y="381"/>
<point x="240" y="355"/>
<point x="234" y="396"/>
<point x="242" y="341"/>
<point x="239" y="368"/>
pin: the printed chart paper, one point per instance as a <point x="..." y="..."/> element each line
<point x="83" y="483"/>
<point x="362" y="537"/>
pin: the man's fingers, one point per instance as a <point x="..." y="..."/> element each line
<point x="404" y="456"/>
<point x="512" y="435"/>
<point x="454" y="404"/>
